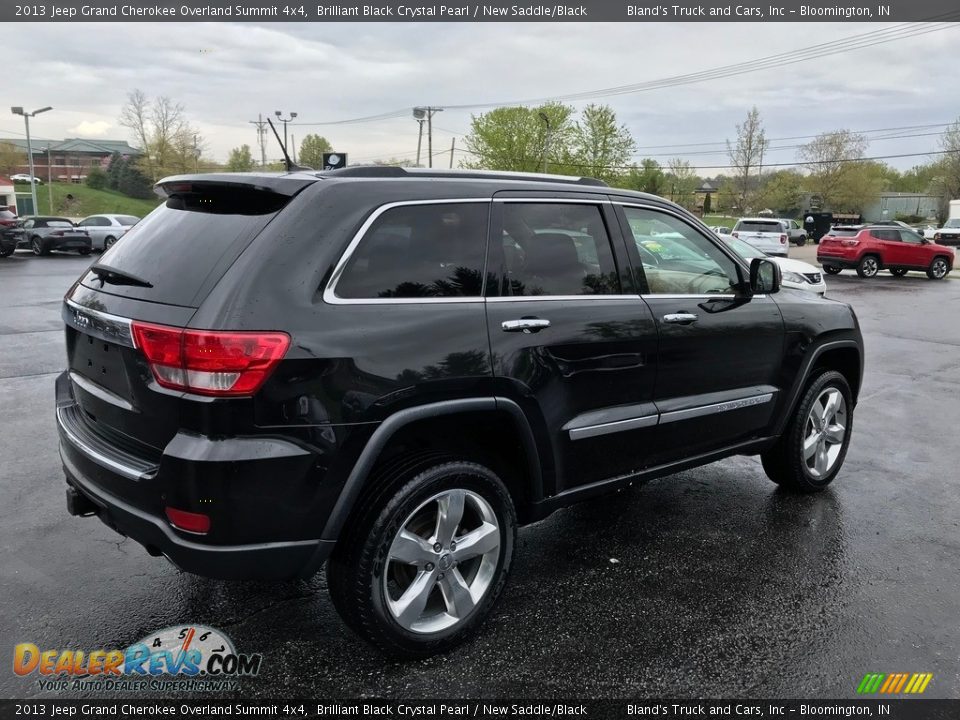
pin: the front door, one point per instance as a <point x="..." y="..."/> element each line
<point x="570" y="338"/>
<point x="720" y="350"/>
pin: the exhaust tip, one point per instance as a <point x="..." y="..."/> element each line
<point x="79" y="505"/>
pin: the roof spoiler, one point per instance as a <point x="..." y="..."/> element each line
<point x="280" y="184"/>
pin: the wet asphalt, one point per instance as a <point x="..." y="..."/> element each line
<point x="710" y="583"/>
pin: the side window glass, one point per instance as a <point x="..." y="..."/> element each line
<point x="415" y="251"/>
<point x="557" y="249"/>
<point x="676" y="259"/>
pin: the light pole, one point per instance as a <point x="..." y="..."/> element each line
<point x="26" y="120"/>
<point x="292" y="117"/>
<point x="420" y="115"/>
<point x="49" y="177"/>
<point x="546" y="141"/>
<point x="419" y="112"/>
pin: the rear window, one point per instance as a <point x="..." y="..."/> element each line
<point x="185" y="246"/>
<point x="127" y="219"/>
<point x="759" y="226"/>
<point x="841" y="232"/>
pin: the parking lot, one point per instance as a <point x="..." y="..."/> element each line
<point x="710" y="583"/>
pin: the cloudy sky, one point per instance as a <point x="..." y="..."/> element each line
<point x="227" y="73"/>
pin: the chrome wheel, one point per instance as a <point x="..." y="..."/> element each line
<point x="938" y="268"/>
<point x="36" y="247"/>
<point x="442" y="561"/>
<point x="824" y="433"/>
<point x="869" y="266"/>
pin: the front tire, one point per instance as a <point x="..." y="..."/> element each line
<point x="938" y="268"/>
<point x="36" y="244"/>
<point x="811" y="451"/>
<point x="424" y="558"/>
<point x="868" y="266"/>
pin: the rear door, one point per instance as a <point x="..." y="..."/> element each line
<point x="570" y="337"/>
<point x="720" y="352"/>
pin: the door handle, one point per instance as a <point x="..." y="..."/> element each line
<point x="680" y="318"/>
<point x="527" y="325"/>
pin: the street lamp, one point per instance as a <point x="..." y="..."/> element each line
<point x="26" y="120"/>
<point x="419" y="113"/>
<point x="279" y="115"/>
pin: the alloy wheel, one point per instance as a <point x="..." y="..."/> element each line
<point x="825" y="430"/>
<point x="939" y="268"/>
<point x="870" y="267"/>
<point x="442" y="561"/>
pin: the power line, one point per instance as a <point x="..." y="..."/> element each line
<point x="835" y="47"/>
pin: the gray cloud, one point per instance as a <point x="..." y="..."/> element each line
<point x="225" y="73"/>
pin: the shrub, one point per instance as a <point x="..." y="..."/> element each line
<point x="96" y="179"/>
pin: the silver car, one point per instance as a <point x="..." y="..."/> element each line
<point x="105" y="230"/>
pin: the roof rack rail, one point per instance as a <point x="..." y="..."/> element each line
<point x="393" y="171"/>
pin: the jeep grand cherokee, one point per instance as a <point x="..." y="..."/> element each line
<point x="387" y="371"/>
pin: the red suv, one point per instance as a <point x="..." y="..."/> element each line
<point x="873" y="248"/>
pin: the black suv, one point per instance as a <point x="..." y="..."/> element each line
<point x="389" y="370"/>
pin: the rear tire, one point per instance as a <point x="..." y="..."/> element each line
<point x="938" y="268"/>
<point x="811" y="451"/>
<point x="832" y="269"/>
<point x="7" y="252"/>
<point x="898" y="272"/>
<point x="386" y="560"/>
<point x="868" y="266"/>
<point x="108" y="242"/>
<point x="36" y="244"/>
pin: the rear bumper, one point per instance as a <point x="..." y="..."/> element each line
<point x="116" y="487"/>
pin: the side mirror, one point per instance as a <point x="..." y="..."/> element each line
<point x="764" y="276"/>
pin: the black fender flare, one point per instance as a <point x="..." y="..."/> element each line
<point x="359" y="474"/>
<point x="804" y="375"/>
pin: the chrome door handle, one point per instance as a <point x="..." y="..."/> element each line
<point x="680" y="318"/>
<point x="527" y="325"/>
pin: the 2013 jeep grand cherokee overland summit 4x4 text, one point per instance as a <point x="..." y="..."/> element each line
<point x="389" y="370"/>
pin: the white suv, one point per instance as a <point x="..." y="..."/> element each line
<point x="766" y="234"/>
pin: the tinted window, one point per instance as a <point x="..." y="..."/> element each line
<point x="184" y="246"/>
<point x="127" y="219"/>
<point x="682" y="261"/>
<point x="759" y="226"/>
<point x="556" y="249"/>
<point x="884" y="234"/>
<point x="58" y="223"/>
<point x="420" y="251"/>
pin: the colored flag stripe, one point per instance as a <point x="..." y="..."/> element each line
<point x="903" y="679"/>
<point x="865" y="683"/>
<point x="912" y="684"/>
<point x="926" y="681"/>
<point x="877" y="680"/>
<point x="890" y="680"/>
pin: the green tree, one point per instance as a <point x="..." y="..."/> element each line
<point x="134" y="183"/>
<point x="834" y="171"/>
<point x="946" y="180"/>
<point x="648" y="177"/>
<point x="240" y="159"/>
<point x="96" y="178"/>
<point x="312" y="148"/>
<point x="12" y="158"/>
<point x="115" y="170"/>
<point x="515" y="139"/>
<point x="682" y="182"/>
<point x="599" y="147"/>
<point x="782" y="191"/>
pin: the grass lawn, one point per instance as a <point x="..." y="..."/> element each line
<point x="723" y="220"/>
<point x="86" y="201"/>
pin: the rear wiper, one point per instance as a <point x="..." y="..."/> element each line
<point x="107" y="274"/>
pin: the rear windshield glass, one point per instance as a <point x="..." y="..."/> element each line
<point x="843" y="233"/>
<point x="127" y="219"/>
<point x="185" y="246"/>
<point x="59" y="223"/>
<point x="754" y="226"/>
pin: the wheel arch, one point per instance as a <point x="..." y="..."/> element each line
<point x="518" y="463"/>
<point x="843" y="355"/>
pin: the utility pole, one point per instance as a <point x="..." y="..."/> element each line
<point x="49" y="180"/>
<point x="546" y="141"/>
<point x="420" y="121"/>
<point x="453" y="147"/>
<point x="26" y="120"/>
<point x="196" y="155"/>
<point x="261" y="137"/>
<point x="293" y="149"/>
<point x="427" y="112"/>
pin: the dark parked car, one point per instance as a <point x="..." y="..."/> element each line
<point x="389" y="370"/>
<point x="43" y="234"/>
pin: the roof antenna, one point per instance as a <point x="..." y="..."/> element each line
<point x="289" y="163"/>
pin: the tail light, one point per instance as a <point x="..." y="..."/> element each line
<point x="735" y="234"/>
<point x="783" y="239"/>
<point x="189" y="521"/>
<point x="849" y="243"/>
<point x="210" y="362"/>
